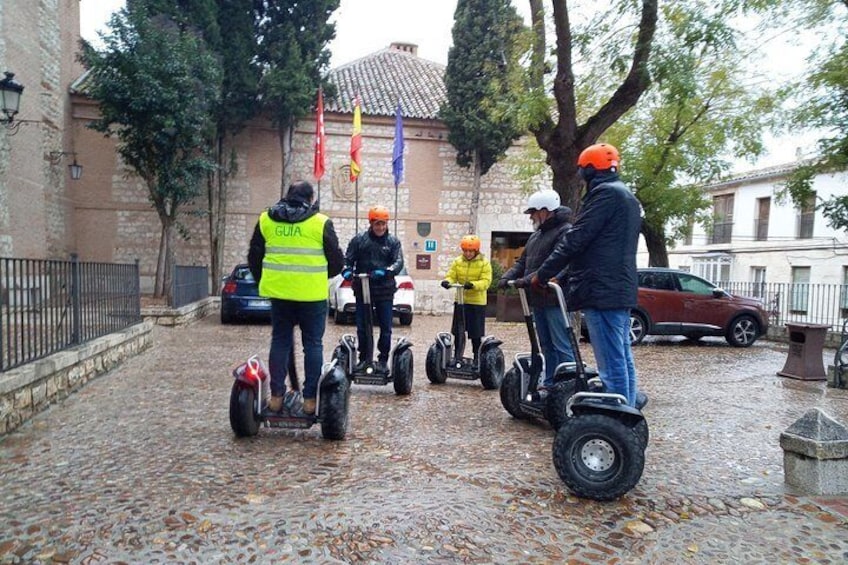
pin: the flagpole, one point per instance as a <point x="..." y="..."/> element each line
<point x="396" y="208"/>
<point x="356" y="208"/>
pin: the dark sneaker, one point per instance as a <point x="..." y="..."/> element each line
<point x="381" y="368"/>
<point x="360" y="367"/>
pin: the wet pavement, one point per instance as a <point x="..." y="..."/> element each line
<point x="141" y="466"/>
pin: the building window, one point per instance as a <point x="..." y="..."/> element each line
<point x="687" y="237"/>
<point x="722" y="219"/>
<point x="843" y="300"/>
<point x="761" y="222"/>
<point x="758" y="280"/>
<point x="806" y="218"/>
<point x="799" y="295"/>
<point x="715" y="269"/>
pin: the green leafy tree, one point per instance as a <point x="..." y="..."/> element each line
<point x="825" y="92"/>
<point x="292" y="40"/>
<point x="700" y="107"/>
<point x="481" y="87"/>
<point x="156" y="84"/>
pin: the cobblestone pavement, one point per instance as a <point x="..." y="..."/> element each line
<point x="141" y="466"/>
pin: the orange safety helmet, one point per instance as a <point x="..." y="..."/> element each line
<point x="470" y="242"/>
<point x="601" y="156"/>
<point x="380" y="213"/>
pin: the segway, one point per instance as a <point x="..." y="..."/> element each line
<point x="400" y="357"/>
<point x="599" y="450"/>
<point x="252" y="390"/>
<point x="445" y="361"/>
<point x="519" y="389"/>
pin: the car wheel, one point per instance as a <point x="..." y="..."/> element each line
<point x="743" y="331"/>
<point x="405" y="319"/>
<point x="693" y="336"/>
<point x="226" y="317"/>
<point x="338" y="317"/>
<point x="638" y="328"/>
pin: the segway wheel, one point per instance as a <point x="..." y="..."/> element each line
<point x="242" y="416"/>
<point x="557" y="400"/>
<point x="334" y="410"/>
<point x="511" y="394"/>
<point x="491" y="368"/>
<point x="402" y="372"/>
<point x="433" y="366"/>
<point x="598" y="457"/>
<point x="641" y="430"/>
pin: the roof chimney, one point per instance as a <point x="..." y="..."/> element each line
<point x="405" y="47"/>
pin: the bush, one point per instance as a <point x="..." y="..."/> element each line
<point x="497" y="272"/>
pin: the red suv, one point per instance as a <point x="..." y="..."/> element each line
<point x="674" y="302"/>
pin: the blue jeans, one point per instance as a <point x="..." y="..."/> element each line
<point x="312" y="319"/>
<point x="609" y="331"/>
<point x="383" y="312"/>
<point x="553" y="339"/>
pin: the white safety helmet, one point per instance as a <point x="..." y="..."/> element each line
<point x="543" y="200"/>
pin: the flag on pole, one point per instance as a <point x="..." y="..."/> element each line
<point x="356" y="142"/>
<point x="397" y="150"/>
<point x="320" y="139"/>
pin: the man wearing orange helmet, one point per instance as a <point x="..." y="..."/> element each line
<point x="600" y="253"/>
<point x="474" y="272"/>
<point x="378" y="253"/>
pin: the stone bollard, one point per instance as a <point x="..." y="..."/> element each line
<point x="815" y="454"/>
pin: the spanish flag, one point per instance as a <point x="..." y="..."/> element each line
<point x="356" y="142"/>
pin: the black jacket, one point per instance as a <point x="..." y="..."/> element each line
<point x="600" y="249"/>
<point x="366" y="253"/>
<point x="292" y="212"/>
<point x="538" y="248"/>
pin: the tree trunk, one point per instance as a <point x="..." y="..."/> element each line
<point x="566" y="181"/>
<point x="285" y="133"/>
<point x="217" y="191"/>
<point x="164" y="262"/>
<point x="655" y="240"/>
<point x="475" y="194"/>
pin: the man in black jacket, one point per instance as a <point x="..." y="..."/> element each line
<point x="600" y="252"/>
<point x="551" y="221"/>
<point x="379" y="254"/>
<point x="293" y="252"/>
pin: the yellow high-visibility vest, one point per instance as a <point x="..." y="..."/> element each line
<point x="294" y="267"/>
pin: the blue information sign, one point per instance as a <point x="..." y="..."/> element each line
<point x="430" y="245"/>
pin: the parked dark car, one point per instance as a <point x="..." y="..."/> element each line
<point x="673" y="302"/>
<point x="240" y="297"/>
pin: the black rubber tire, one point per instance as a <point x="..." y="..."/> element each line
<point x="243" y="419"/>
<point x="402" y="372"/>
<point x="491" y="368"/>
<point x="641" y="430"/>
<point x="511" y="394"/>
<point x="557" y="399"/>
<point x="693" y="336"/>
<point x="339" y="317"/>
<point x="433" y="366"/>
<point x="226" y="317"/>
<point x="743" y="331"/>
<point x="598" y="457"/>
<point x="638" y="328"/>
<point x="340" y="353"/>
<point x="405" y="319"/>
<point x="334" y="413"/>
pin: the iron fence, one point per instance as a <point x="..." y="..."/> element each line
<point x="47" y="306"/>
<point x="806" y="303"/>
<point x="189" y="284"/>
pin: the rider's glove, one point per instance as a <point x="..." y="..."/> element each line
<point x="468" y="285"/>
<point x="523" y="282"/>
<point x="347" y="274"/>
<point x="445" y="284"/>
<point x="378" y="273"/>
<point x="502" y="284"/>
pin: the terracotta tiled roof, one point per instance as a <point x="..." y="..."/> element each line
<point x="768" y="173"/>
<point x="380" y="79"/>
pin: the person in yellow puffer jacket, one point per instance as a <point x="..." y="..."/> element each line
<point x="474" y="272"/>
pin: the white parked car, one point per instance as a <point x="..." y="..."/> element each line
<point x="343" y="303"/>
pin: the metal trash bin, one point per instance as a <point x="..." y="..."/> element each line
<point x="806" y="345"/>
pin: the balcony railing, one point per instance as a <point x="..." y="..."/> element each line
<point x="722" y="232"/>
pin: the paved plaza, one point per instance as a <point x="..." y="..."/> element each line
<point x="141" y="466"/>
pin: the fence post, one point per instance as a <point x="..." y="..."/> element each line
<point x="75" y="299"/>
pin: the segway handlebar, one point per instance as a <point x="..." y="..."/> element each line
<point x="522" y="294"/>
<point x="561" y="301"/>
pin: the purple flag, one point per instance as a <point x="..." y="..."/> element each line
<point x="397" y="152"/>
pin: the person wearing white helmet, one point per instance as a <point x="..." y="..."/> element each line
<point x="551" y="221"/>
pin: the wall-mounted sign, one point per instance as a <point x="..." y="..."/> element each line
<point x="422" y="262"/>
<point x="430" y="245"/>
<point x="423" y="229"/>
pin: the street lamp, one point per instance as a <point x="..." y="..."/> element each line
<point x="10" y="103"/>
<point x="75" y="168"/>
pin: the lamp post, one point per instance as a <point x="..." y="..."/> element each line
<point x="75" y="168"/>
<point x="10" y="97"/>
